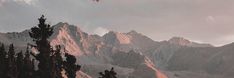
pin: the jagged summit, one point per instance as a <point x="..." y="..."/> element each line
<point x="185" y="42"/>
<point x="111" y="33"/>
<point x="97" y="52"/>
<point x="133" y="32"/>
<point x="112" y="37"/>
<point x="117" y="38"/>
<point x="179" y="41"/>
<point x="66" y="25"/>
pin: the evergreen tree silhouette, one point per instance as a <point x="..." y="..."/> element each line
<point x="3" y="61"/>
<point x="11" y="63"/>
<point x="50" y="61"/>
<point x="19" y="63"/>
<point x="57" y="62"/>
<point x="28" y="66"/>
<point x="108" y="74"/>
<point x="40" y="35"/>
<point x="70" y="66"/>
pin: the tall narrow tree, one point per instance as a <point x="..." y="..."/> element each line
<point x="50" y="61"/>
<point x="3" y="61"/>
<point x="40" y="35"/>
<point x="28" y="66"/>
<point x="20" y="64"/>
<point x="12" y="67"/>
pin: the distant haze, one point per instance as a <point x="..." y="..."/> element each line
<point x="208" y="21"/>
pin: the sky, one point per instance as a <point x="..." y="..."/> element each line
<point x="204" y="21"/>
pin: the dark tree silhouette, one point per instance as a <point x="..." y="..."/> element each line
<point x="50" y="61"/>
<point x="11" y="63"/>
<point x="28" y="67"/>
<point x="70" y="66"/>
<point x="57" y="62"/>
<point x="108" y="74"/>
<point x="19" y="63"/>
<point x="40" y="34"/>
<point x="3" y="61"/>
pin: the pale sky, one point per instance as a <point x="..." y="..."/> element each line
<point x="208" y="21"/>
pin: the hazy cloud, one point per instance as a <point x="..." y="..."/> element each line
<point x="29" y="2"/>
<point x="208" y="21"/>
<point x="101" y="31"/>
<point x="1" y="2"/>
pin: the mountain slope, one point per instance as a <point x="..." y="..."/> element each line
<point x="92" y="51"/>
<point x="134" y="55"/>
<point x="184" y="42"/>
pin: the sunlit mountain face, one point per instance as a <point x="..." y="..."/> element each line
<point x="123" y="38"/>
<point x="134" y="55"/>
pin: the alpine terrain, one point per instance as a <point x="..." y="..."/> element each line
<point x="134" y="55"/>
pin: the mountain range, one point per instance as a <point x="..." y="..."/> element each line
<point x="134" y="55"/>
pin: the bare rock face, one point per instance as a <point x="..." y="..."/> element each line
<point x="184" y="42"/>
<point x="134" y="55"/>
<point x="95" y="53"/>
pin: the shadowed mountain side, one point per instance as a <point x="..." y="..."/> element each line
<point x="127" y="53"/>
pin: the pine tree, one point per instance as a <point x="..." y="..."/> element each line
<point x="40" y="35"/>
<point x="70" y="66"/>
<point x="28" y="67"/>
<point x="108" y="74"/>
<point x="3" y="61"/>
<point x="57" y="62"/>
<point x="20" y="64"/>
<point x="50" y="61"/>
<point x="11" y="63"/>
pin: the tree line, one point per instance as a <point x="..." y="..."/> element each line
<point x="51" y="62"/>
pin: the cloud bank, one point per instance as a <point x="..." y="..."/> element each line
<point x="209" y="21"/>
